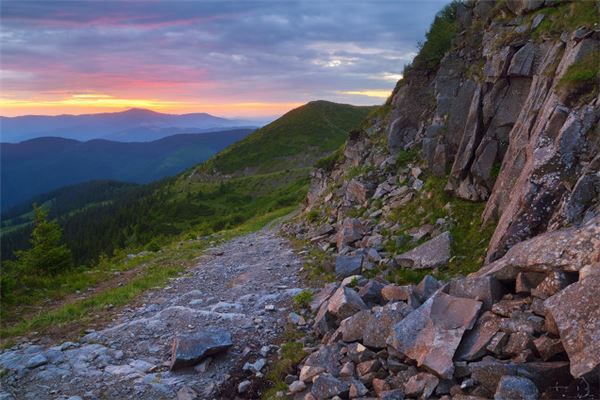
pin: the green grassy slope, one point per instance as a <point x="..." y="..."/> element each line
<point x="297" y="139"/>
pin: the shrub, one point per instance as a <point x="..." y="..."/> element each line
<point x="303" y="298"/>
<point x="439" y="38"/>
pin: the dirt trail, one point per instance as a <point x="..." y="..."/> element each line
<point x="244" y="286"/>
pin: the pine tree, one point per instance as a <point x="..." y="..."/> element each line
<point x="48" y="254"/>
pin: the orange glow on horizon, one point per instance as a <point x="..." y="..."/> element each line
<point x="91" y="103"/>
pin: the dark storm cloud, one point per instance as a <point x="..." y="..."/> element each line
<point x="275" y="51"/>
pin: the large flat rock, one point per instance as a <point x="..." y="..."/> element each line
<point x="189" y="350"/>
<point x="432" y="254"/>
<point x="431" y="334"/>
<point x="576" y="312"/>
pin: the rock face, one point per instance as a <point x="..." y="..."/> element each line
<point x="190" y="350"/>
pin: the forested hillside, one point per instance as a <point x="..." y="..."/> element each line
<point x="40" y="165"/>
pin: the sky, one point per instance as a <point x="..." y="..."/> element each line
<point x="239" y="58"/>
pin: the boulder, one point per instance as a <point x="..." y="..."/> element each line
<point x="431" y="254"/>
<point x="349" y="232"/>
<point x="576" y="312"/>
<point x="548" y="347"/>
<point x="328" y="357"/>
<point x="188" y="351"/>
<point x="393" y="292"/>
<point x="348" y="265"/>
<point x="475" y="342"/>
<point x="489" y="371"/>
<point x="516" y="388"/>
<point x="344" y="303"/>
<point x="431" y="334"/>
<point x="324" y="320"/>
<point x="427" y="287"/>
<point x="371" y="292"/>
<point x="326" y="386"/>
<point x="568" y="250"/>
<point x="356" y="192"/>
<point x="526" y="281"/>
<point x="553" y="283"/>
<point x="308" y="372"/>
<point x="421" y="385"/>
<point x="352" y="328"/>
<point x="486" y="289"/>
<point x="323" y="296"/>
<point x="381" y="321"/>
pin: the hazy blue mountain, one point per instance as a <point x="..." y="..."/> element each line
<point x="40" y="165"/>
<point x="134" y="125"/>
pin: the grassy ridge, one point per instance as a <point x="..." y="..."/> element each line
<point x="303" y="135"/>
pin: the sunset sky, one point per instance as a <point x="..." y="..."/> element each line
<point x="229" y="58"/>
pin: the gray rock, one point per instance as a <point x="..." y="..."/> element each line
<point x="381" y="321"/>
<point x="327" y="357"/>
<point x="256" y="366"/>
<point x="186" y="393"/>
<point x="348" y="265"/>
<point x="489" y="371"/>
<point x="522" y="62"/>
<point x="431" y="334"/>
<point x="427" y="287"/>
<point x="244" y="386"/>
<point x="297" y="386"/>
<point x="516" y="388"/>
<point x="323" y="296"/>
<point x="188" y="351"/>
<point x="485" y="289"/>
<point x="432" y="254"/>
<point x="36" y="361"/>
<point x="326" y="386"/>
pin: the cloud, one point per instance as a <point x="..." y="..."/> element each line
<point x="209" y="52"/>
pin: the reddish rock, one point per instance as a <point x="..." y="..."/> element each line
<point x="548" y="347"/>
<point x="421" y="385"/>
<point x="393" y="292"/>
<point x="344" y="303"/>
<point x="431" y="334"/>
<point x="475" y="342"/>
<point x="517" y="343"/>
<point x="323" y="296"/>
<point x="350" y="231"/>
<point x="552" y="284"/>
<point x="505" y="308"/>
<point x="485" y="289"/>
<point x="528" y="280"/>
<point x="576" y="313"/>
<point x="568" y="250"/>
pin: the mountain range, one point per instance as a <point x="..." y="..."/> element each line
<point x="133" y="125"/>
<point x="40" y="165"/>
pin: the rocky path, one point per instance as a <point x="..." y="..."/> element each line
<point x="243" y="286"/>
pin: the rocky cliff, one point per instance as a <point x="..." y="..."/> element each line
<point x="484" y="160"/>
